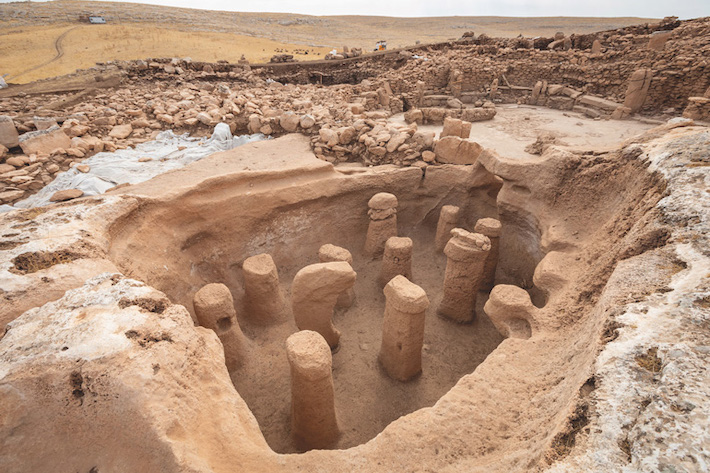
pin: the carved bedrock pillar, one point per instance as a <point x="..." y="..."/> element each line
<point x="448" y="219"/>
<point x="214" y="308"/>
<point x="313" y="420"/>
<point x="315" y="291"/>
<point x="383" y="222"/>
<point x="397" y="259"/>
<point x="511" y="311"/>
<point x="329" y="253"/>
<point x="491" y="228"/>
<point x="466" y="254"/>
<point x="264" y="299"/>
<point x="403" y="329"/>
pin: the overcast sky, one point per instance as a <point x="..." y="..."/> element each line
<point x="640" y="8"/>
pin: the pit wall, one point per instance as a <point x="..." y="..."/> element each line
<point x="204" y="235"/>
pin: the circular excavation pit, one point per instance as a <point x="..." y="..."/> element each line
<point x="292" y="224"/>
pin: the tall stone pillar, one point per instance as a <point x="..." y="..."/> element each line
<point x="466" y="257"/>
<point x="314" y="423"/>
<point x="214" y="308"/>
<point x="403" y="329"/>
<point x="397" y="259"/>
<point x="264" y="299"/>
<point x="448" y="219"/>
<point x="637" y="89"/>
<point x="314" y="293"/>
<point x="491" y="228"/>
<point x="383" y="222"/>
<point x="330" y="253"/>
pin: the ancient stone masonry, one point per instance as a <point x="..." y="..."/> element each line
<point x="313" y="419"/>
<point x="264" y="300"/>
<point x="314" y="293"/>
<point x="330" y="253"/>
<point x="396" y="260"/>
<point x="466" y="257"/>
<point x="403" y="329"/>
<point x="383" y="222"/>
<point x="512" y="312"/>
<point x="214" y="308"/>
<point x="448" y="220"/>
<point x="491" y="228"/>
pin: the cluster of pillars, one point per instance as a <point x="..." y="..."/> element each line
<point x="318" y="289"/>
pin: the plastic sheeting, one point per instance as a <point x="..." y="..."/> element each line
<point x="167" y="152"/>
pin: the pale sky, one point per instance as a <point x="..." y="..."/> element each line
<point x="640" y="8"/>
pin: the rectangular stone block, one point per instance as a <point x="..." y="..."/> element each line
<point x="45" y="141"/>
<point x="9" y="137"/>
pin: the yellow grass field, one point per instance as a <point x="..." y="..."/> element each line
<point x="84" y="45"/>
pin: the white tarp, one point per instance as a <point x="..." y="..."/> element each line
<point x="123" y="166"/>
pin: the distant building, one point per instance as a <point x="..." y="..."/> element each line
<point x="97" y="20"/>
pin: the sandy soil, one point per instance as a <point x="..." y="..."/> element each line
<point x="516" y="126"/>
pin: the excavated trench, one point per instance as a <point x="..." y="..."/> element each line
<point x="549" y="209"/>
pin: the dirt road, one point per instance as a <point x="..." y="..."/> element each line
<point x="57" y="47"/>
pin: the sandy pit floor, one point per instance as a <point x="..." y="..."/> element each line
<point x="516" y="126"/>
<point x="367" y="400"/>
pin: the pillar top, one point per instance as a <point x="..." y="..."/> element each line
<point x="383" y="201"/>
<point x="309" y="353"/>
<point x="489" y="227"/>
<point x="465" y="245"/>
<point x="259" y="264"/>
<point x="398" y="244"/>
<point x="406" y="296"/>
<point x="329" y="253"/>
<point x="450" y="213"/>
<point x="509" y="296"/>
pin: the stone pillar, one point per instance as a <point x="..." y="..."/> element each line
<point x="511" y="311"/>
<point x="637" y="89"/>
<point x="403" y="329"/>
<point x="383" y="222"/>
<point x="448" y="219"/>
<point x="491" y="228"/>
<point x="313" y="420"/>
<point x="214" y="308"/>
<point x="329" y="253"/>
<point x="397" y="259"/>
<point x="419" y="94"/>
<point x="466" y="254"/>
<point x="494" y="89"/>
<point x="596" y="47"/>
<point x="263" y="297"/>
<point x="315" y="291"/>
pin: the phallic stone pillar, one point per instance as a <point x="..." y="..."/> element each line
<point x="314" y="423"/>
<point x="491" y="228"/>
<point x="397" y="259"/>
<point x="315" y="291"/>
<point x="383" y="222"/>
<point x="466" y="254"/>
<point x="214" y="308"/>
<point x="448" y="219"/>
<point x="329" y="253"/>
<point x="403" y="329"/>
<point x="263" y="297"/>
<point x="512" y="312"/>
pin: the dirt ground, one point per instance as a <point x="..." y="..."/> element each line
<point x="367" y="400"/>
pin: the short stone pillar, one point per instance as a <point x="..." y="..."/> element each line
<point x="313" y="420"/>
<point x="397" y="259"/>
<point x="491" y="228"/>
<point x="637" y="89"/>
<point x="383" y="222"/>
<point x="315" y="291"/>
<point x="403" y="329"/>
<point x="214" y="308"/>
<point x="329" y="253"/>
<point x="448" y="219"/>
<point x="512" y="312"/>
<point x="466" y="254"/>
<point x="264" y="300"/>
